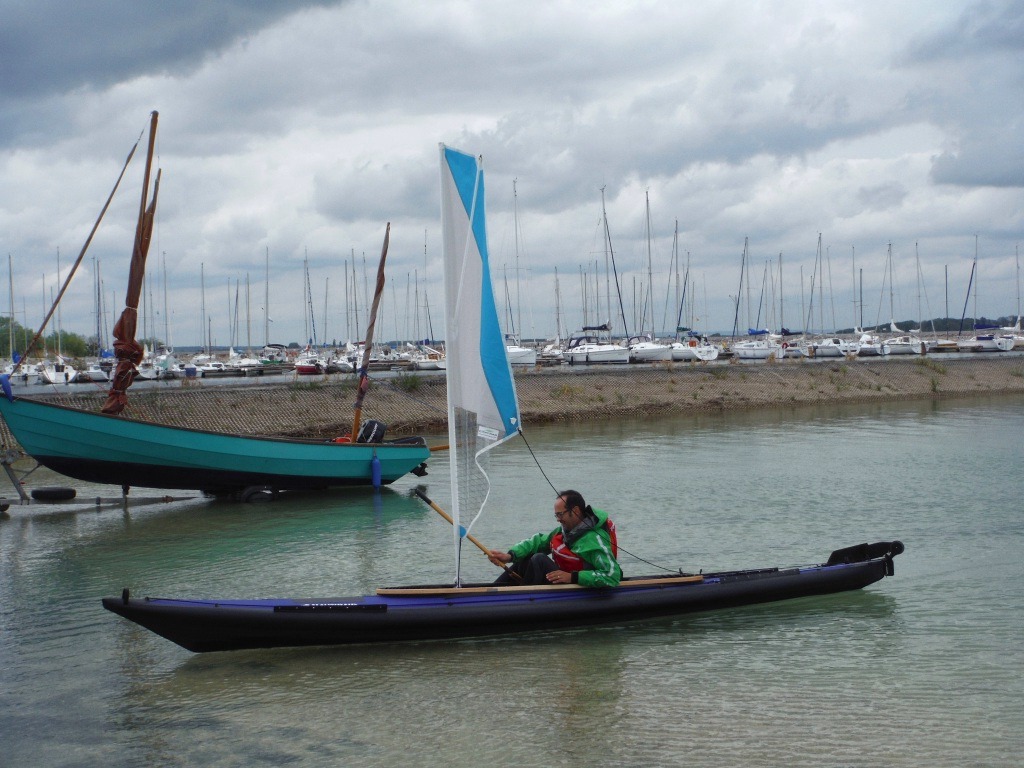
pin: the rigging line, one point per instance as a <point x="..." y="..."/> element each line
<point x="537" y="461"/>
<point x="88" y="241"/>
<point x="621" y="548"/>
<point x="648" y="562"/>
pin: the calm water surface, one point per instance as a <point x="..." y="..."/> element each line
<point x="921" y="669"/>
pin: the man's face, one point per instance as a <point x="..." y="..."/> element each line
<point x="567" y="517"/>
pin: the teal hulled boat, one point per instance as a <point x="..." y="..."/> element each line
<point x="106" y="448"/>
<point x="101" y="448"/>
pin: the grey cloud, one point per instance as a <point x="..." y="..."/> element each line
<point x="982" y="29"/>
<point x="51" y="47"/>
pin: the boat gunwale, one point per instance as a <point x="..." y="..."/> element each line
<point x="489" y="589"/>
<point x="641" y="583"/>
<point x="193" y="430"/>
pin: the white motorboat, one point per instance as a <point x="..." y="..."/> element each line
<point x="58" y="372"/>
<point x="906" y="345"/>
<point x="552" y="354"/>
<point x="757" y="349"/>
<point x="986" y="342"/>
<point x="832" y="346"/>
<point x="642" y="349"/>
<point x="591" y="346"/>
<point x="92" y="373"/>
<point x="871" y="346"/>
<point x="694" y="348"/>
<point x="517" y="353"/>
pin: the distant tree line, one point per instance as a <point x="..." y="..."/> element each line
<point x="943" y="325"/>
<point x="70" y="344"/>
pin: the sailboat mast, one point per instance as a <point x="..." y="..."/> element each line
<point x="248" y="320"/>
<point x="853" y="276"/>
<point x="650" y="271"/>
<point x="558" y="310"/>
<point x="99" y="304"/>
<point x="976" y="282"/>
<point x="803" y="305"/>
<point x="967" y="298"/>
<point x="10" y="326"/>
<point x="739" y="290"/>
<point x="615" y="272"/>
<point x="892" y="313"/>
<point x="782" y="321"/>
<point x="202" y="306"/>
<point x="167" y="326"/>
<point x="515" y="222"/>
<point x="266" y="297"/>
<point x="60" y="329"/>
<point x="746" y="268"/>
<point x="1017" y="252"/>
<point x="348" y="313"/>
<point x="355" y="294"/>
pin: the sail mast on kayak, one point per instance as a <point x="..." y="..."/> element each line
<point x="483" y="410"/>
<point x="127" y="350"/>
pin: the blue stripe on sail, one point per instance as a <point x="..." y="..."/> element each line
<point x="464" y="170"/>
<point x="468" y="179"/>
<point x="493" y="356"/>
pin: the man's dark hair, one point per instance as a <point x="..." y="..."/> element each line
<point x="573" y="499"/>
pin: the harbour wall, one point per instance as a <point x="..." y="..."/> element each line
<point x="322" y="407"/>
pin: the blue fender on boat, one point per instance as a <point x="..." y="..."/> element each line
<point x="5" y="384"/>
<point x="375" y="473"/>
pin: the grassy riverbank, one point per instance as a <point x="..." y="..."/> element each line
<point x="410" y="404"/>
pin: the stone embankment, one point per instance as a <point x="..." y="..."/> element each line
<point x="409" y="403"/>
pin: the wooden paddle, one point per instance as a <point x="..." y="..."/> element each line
<point x="512" y="574"/>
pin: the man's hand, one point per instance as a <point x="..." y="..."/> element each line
<point x="498" y="557"/>
<point x="559" y="577"/>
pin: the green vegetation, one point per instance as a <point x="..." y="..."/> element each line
<point x="407" y="382"/>
<point x="70" y="344"/>
<point x="565" y="391"/>
<point x="924" y="362"/>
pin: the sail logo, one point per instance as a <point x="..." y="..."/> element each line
<point x="486" y="433"/>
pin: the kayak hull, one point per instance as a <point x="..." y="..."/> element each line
<point x="437" y="612"/>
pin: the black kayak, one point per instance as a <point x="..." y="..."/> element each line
<point x="442" y="612"/>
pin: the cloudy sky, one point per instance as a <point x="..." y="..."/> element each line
<point x="297" y="130"/>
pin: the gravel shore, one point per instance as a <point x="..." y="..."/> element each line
<point x="410" y="403"/>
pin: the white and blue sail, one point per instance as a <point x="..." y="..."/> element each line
<point x="483" y="410"/>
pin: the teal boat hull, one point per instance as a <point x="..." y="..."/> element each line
<point x="100" y="448"/>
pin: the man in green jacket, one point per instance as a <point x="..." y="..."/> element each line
<point x="582" y="550"/>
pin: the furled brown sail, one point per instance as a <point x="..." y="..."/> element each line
<point x="127" y="351"/>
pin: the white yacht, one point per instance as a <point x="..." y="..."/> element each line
<point x="831" y="346"/>
<point x="517" y="353"/>
<point x="642" y="349"/>
<point x="592" y="346"/>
